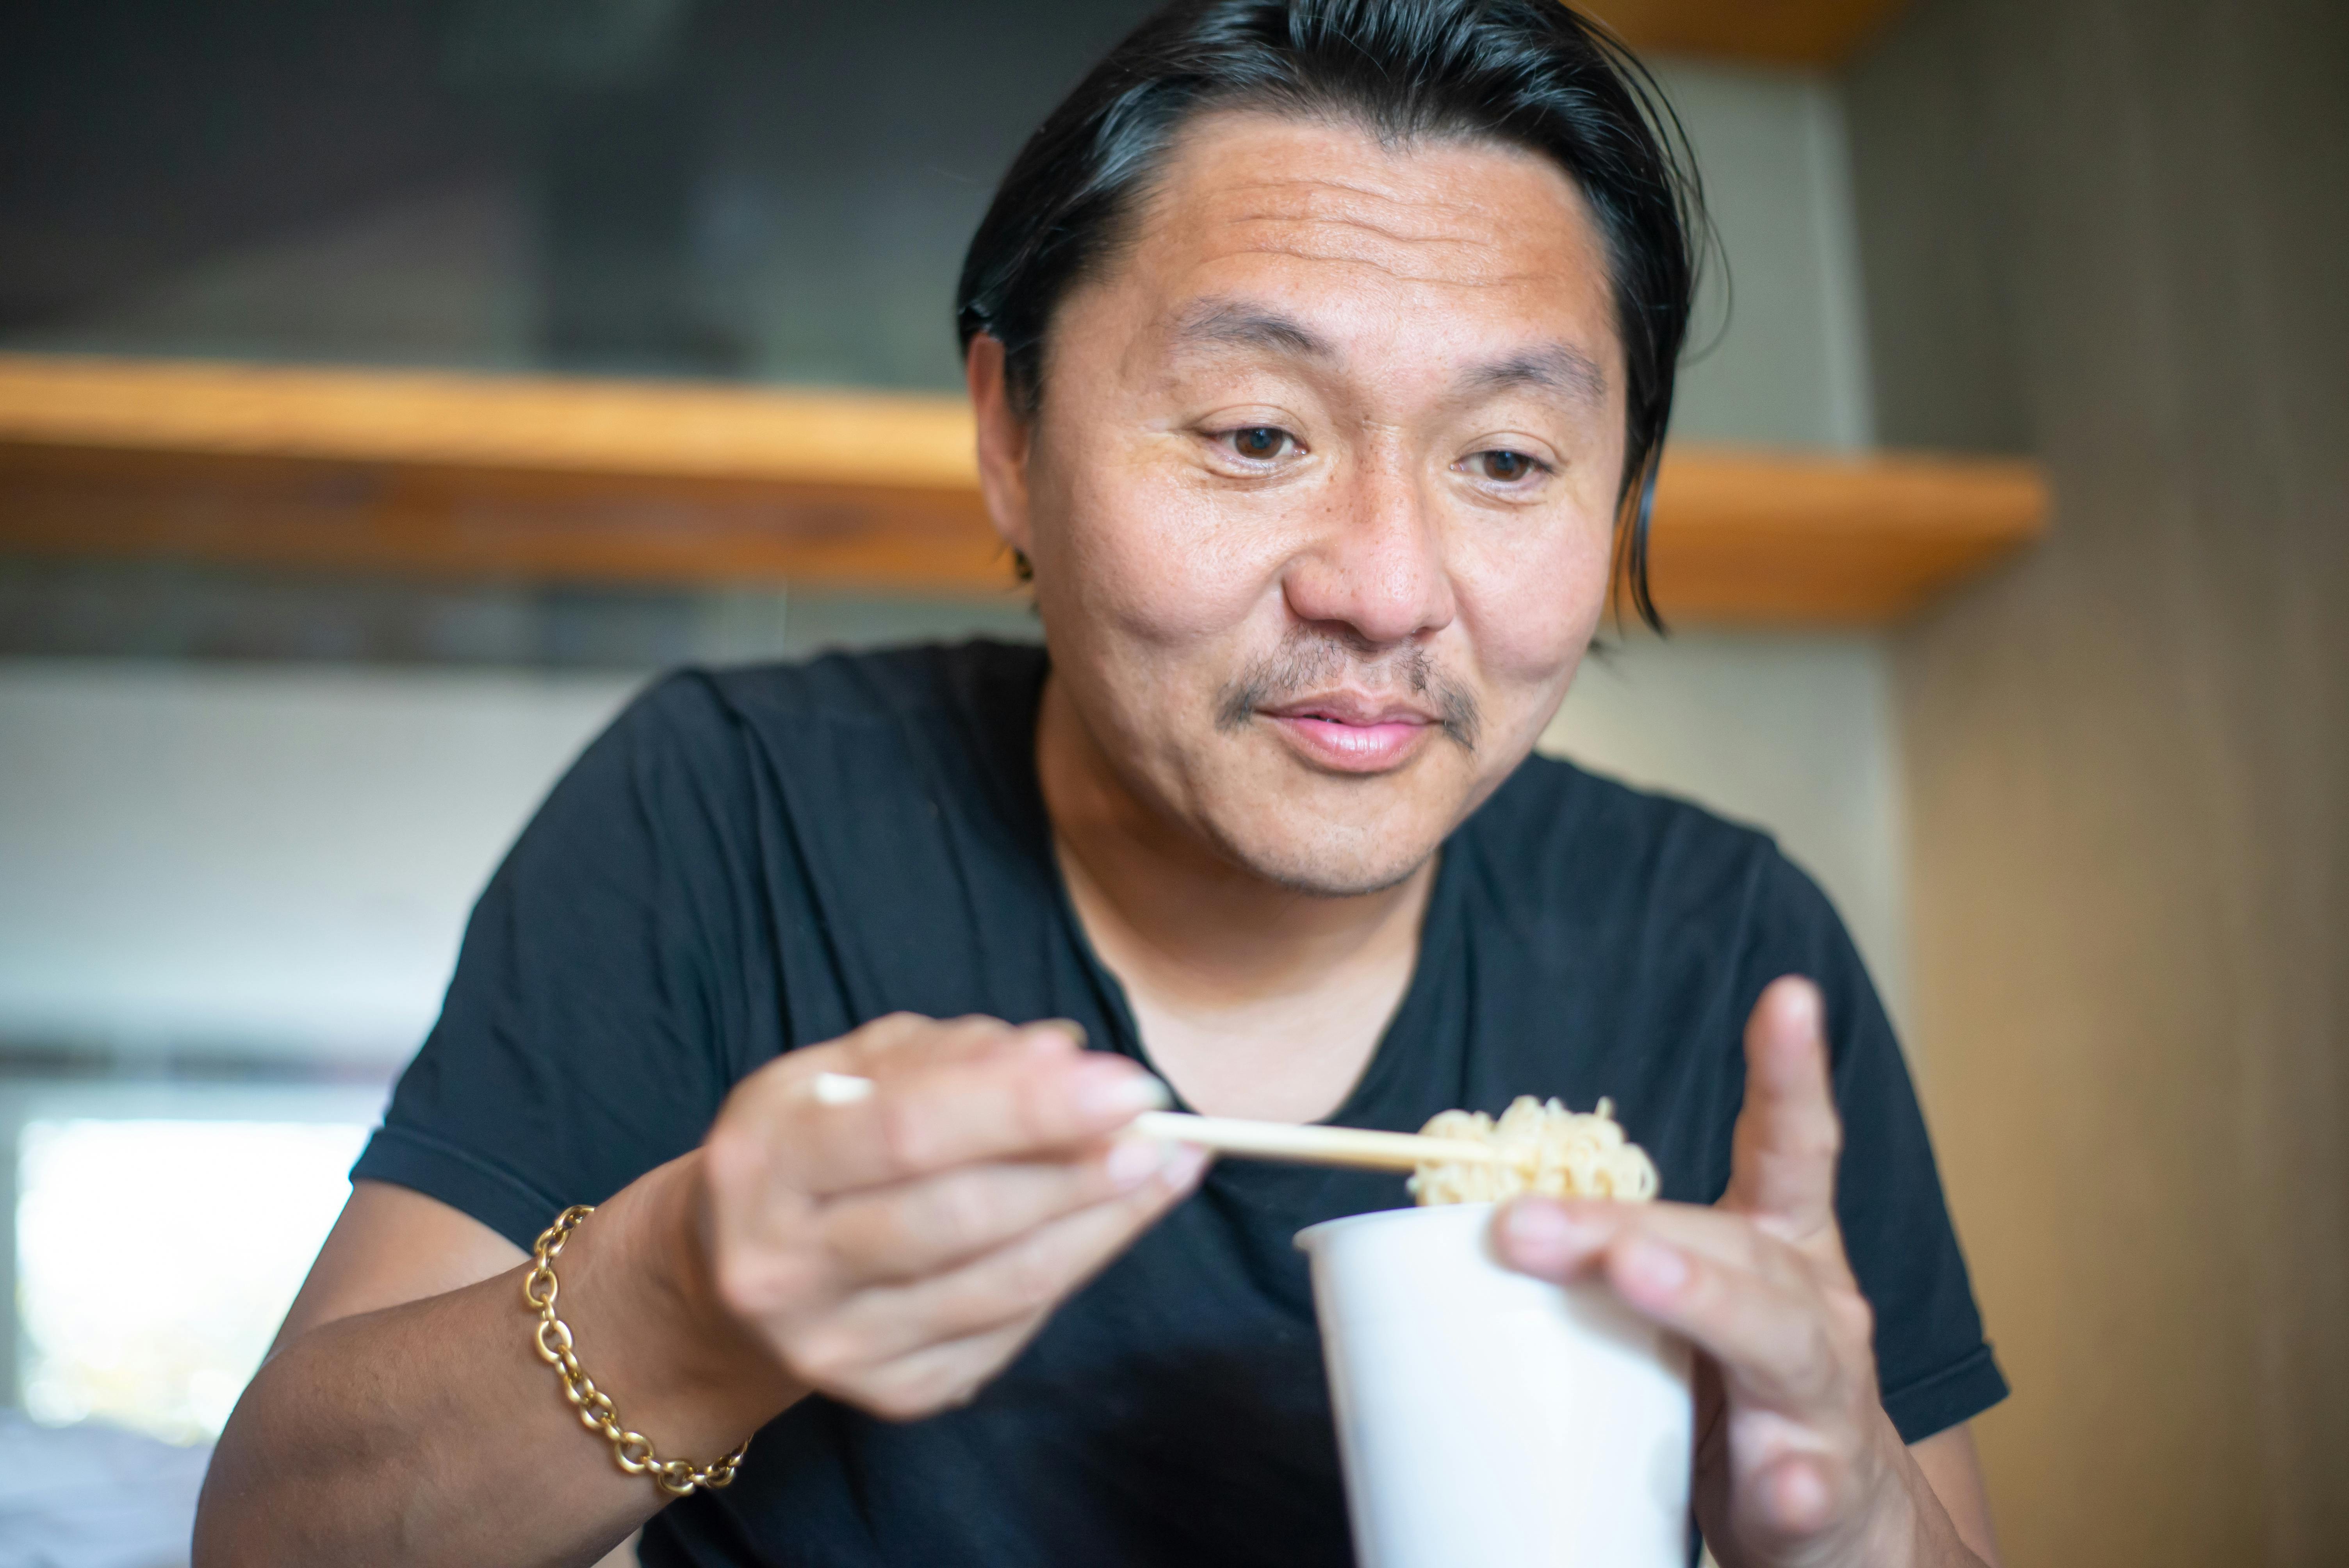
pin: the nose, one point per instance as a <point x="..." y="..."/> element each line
<point x="1372" y="570"/>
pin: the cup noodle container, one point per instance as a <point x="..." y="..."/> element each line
<point x="1488" y="1419"/>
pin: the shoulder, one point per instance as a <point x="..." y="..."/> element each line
<point x="878" y="685"/>
<point x="705" y="736"/>
<point x="1645" y="887"/>
<point x="705" y="726"/>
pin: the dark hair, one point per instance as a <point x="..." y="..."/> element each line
<point x="1529" y="73"/>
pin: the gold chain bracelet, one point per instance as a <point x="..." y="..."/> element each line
<point x="632" y="1450"/>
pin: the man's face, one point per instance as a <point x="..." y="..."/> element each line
<point x="1320" y="494"/>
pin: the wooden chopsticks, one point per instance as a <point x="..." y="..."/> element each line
<point x="1300" y="1145"/>
<point x="1279" y="1140"/>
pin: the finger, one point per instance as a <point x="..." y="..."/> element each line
<point x="1030" y="1275"/>
<point x="1783" y="1155"/>
<point x="915" y="1229"/>
<point x="899" y="1039"/>
<point x="1567" y="1241"/>
<point x="1793" y="1496"/>
<point x="762" y="1204"/>
<point x="925" y="1117"/>
<point x="1776" y="1341"/>
<point x="1754" y="1300"/>
<point x="898" y="1042"/>
<point x="937" y="1377"/>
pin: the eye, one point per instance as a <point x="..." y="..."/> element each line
<point x="1505" y="467"/>
<point x="1258" y="443"/>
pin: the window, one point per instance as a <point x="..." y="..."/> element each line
<point x="156" y="1254"/>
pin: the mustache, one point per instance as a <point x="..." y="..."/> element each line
<point x="1306" y="660"/>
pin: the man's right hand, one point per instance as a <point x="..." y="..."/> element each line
<point x="894" y="1251"/>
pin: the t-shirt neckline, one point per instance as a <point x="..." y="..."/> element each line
<point x="1437" y="933"/>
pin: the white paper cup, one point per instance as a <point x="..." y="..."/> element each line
<point x="1488" y="1419"/>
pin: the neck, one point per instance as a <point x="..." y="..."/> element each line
<point x="1253" y="999"/>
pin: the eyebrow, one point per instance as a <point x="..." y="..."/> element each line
<point x="1555" y="367"/>
<point x="1230" y="323"/>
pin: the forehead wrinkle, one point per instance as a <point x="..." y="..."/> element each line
<point x="1424" y="242"/>
<point x="1307" y="200"/>
<point x="1320" y="204"/>
<point x="1444" y="254"/>
<point x="1489" y="277"/>
<point x="1472" y="236"/>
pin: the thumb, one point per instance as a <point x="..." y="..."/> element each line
<point x="1783" y="1158"/>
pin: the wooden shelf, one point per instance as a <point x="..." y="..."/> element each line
<point x="1771" y="31"/>
<point x="444" y="475"/>
<point x="1800" y="538"/>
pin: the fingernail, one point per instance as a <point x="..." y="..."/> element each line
<point x="1131" y="1161"/>
<point x="1802" y="1007"/>
<point x="839" y="1088"/>
<point x="1057" y="1033"/>
<point x="1125" y="1094"/>
<point x="1184" y="1168"/>
<point x="1651" y="1269"/>
<point x="1537" y="1231"/>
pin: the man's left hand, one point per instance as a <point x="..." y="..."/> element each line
<point x="1797" y="1462"/>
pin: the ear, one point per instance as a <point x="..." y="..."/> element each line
<point x="1002" y="445"/>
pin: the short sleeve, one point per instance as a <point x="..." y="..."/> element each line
<point x="1935" y="1367"/>
<point x="606" y="980"/>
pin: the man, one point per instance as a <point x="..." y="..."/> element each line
<point x="1317" y="347"/>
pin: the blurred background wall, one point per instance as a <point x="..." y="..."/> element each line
<point x="2085" y="817"/>
<point x="2113" y="234"/>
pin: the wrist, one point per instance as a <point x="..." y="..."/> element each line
<point x="1908" y="1527"/>
<point x="652" y="1329"/>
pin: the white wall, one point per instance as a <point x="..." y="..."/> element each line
<point x="1780" y="344"/>
<point x="257" y="859"/>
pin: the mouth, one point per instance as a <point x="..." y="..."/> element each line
<point x="1344" y="732"/>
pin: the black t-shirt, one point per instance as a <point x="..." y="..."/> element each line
<point x="755" y="860"/>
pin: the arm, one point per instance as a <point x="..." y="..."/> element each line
<point x="403" y="1414"/>
<point x="1798" y="1463"/>
<point x="1953" y="1470"/>
<point x="893" y="1254"/>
